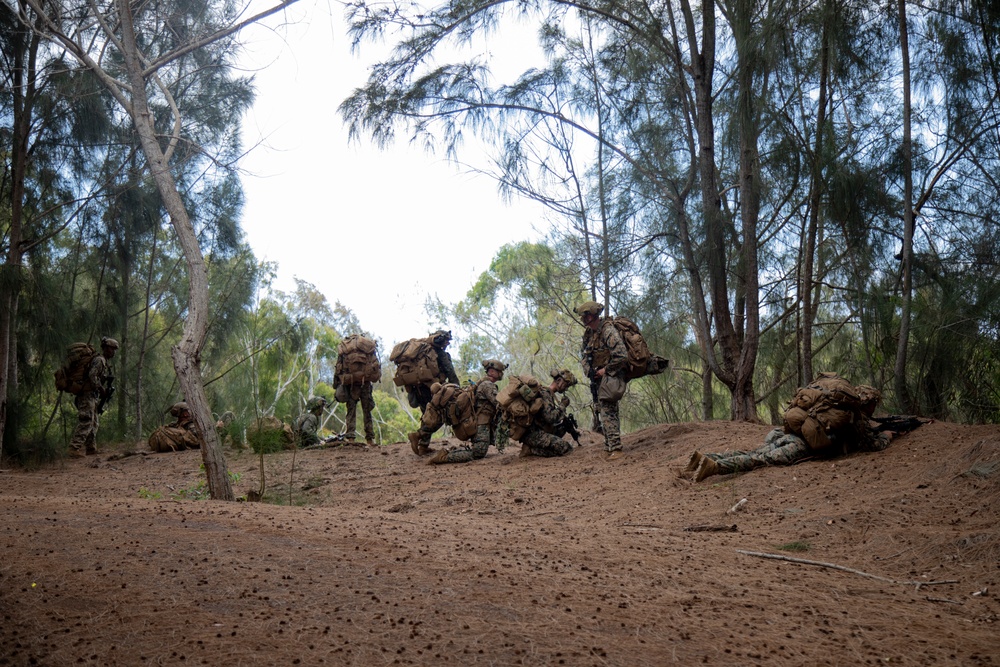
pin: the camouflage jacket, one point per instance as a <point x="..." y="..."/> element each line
<point x="603" y="348"/>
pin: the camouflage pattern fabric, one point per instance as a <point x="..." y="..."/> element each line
<point x="604" y="348"/>
<point x="307" y="428"/>
<point x="540" y="443"/>
<point x="479" y="446"/>
<point x="607" y="412"/>
<point x="779" y="449"/>
<point x="174" y="438"/>
<point x="362" y="393"/>
<point x="84" y="439"/>
<point x="446" y="365"/>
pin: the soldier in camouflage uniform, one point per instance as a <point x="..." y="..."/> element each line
<point x="182" y="434"/>
<point x="544" y="436"/>
<point x="84" y="440"/>
<point x="784" y="448"/>
<point x="420" y="395"/>
<point x="603" y="353"/>
<point x="307" y="424"/>
<point x="486" y="413"/>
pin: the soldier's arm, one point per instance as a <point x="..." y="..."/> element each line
<point x="619" y="353"/>
<point x="447" y="367"/>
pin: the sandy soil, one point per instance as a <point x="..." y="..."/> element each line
<point x="383" y="560"/>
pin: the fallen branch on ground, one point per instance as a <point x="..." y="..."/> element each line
<point x="803" y="561"/>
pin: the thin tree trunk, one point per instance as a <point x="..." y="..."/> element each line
<point x="902" y="391"/>
<point x="186" y="354"/>
<point x="809" y="250"/>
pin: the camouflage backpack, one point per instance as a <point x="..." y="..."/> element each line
<point x="72" y="377"/>
<point x="416" y="362"/>
<point x="831" y="401"/>
<point x="641" y="361"/>
<point x="357" y="361"/>
<point x="519" y="401"/>
<point x="456" y="406"/>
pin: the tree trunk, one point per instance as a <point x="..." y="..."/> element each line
<point x="812" y="230"/>
<point x="23" y="98"/>
<point x="186" y="354"/>
<point x="903" y="399"/>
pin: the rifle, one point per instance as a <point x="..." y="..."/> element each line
<point x="568" y="424"/>
<point x="898" y="423"/>
<point x="107" y="391"/>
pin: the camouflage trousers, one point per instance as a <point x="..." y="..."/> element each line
<point x="610" y="424"/>
<point x="84" y="438"/>
<point x="779" y="449"/>
<point x="478" y="446"/>
<point x="363" y="394"/>
<point x="540" y="443"/>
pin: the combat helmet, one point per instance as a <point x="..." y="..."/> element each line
<point x="177" y="408"/>
<point x="315" y="403"/>
<point x="441" y="338"/>
<point x="495" y="364"/>
<point x="565" y="375"/>
<point x="589" y="308"/>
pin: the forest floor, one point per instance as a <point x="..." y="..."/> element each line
<point x="381" y="559"/>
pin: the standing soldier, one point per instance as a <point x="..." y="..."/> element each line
<point x="358" y="366"/>
<point x="96" y="388"/>
<point x="605" y="362"/>
<point x="486" y="412"/>
<point x="439" y="340"/>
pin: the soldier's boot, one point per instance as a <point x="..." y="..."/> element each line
<point x="75" y="453"/>
<point x="693" y="463"/>
<point x="525" y="451"/>
<point x="440" y="456"/>
<point x="370" y="442"/>
<point x="414" y="439"/>
<point x="707" y="468"/>
<point x="615" y="455"/>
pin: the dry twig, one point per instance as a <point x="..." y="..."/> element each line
<point x="803" y="561"/>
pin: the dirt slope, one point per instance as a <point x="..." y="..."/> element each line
<point x="510" y="561"/>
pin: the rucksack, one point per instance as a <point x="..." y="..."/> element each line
<point x="72" y="377"/>
<point x="416" y="362"/>
<point x="519" y="401"/>
<point x="357" y="361"/>
<point x="641" y="361"/>
<point x="456" y="405"/>
<point x="829" y="399"/>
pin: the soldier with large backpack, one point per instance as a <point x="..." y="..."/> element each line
<point x="358" y="368"/>
<point x="88" y="375"/>
<point x="828" y="416"/>
<point x="613" y="352"/>
<point x="535" y="418"/>
<point x="450" y="404"/>
<point x="486" y="413"/>
<point x="604" y="358"/>
<point x="420" y="363"/>
<point x="178" y="436"/>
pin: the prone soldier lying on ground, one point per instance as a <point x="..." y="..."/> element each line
<point x="180" y="435"/>
<point x="826" y="418"/>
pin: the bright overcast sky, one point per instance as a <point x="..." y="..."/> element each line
<point x="378" y="231"/>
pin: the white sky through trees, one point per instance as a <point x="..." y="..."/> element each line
<point x="377" y="230"/>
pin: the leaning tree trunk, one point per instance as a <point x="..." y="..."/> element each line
<point x="186" y="354"/>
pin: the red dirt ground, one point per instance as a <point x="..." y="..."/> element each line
<point x="510" y="561"/>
